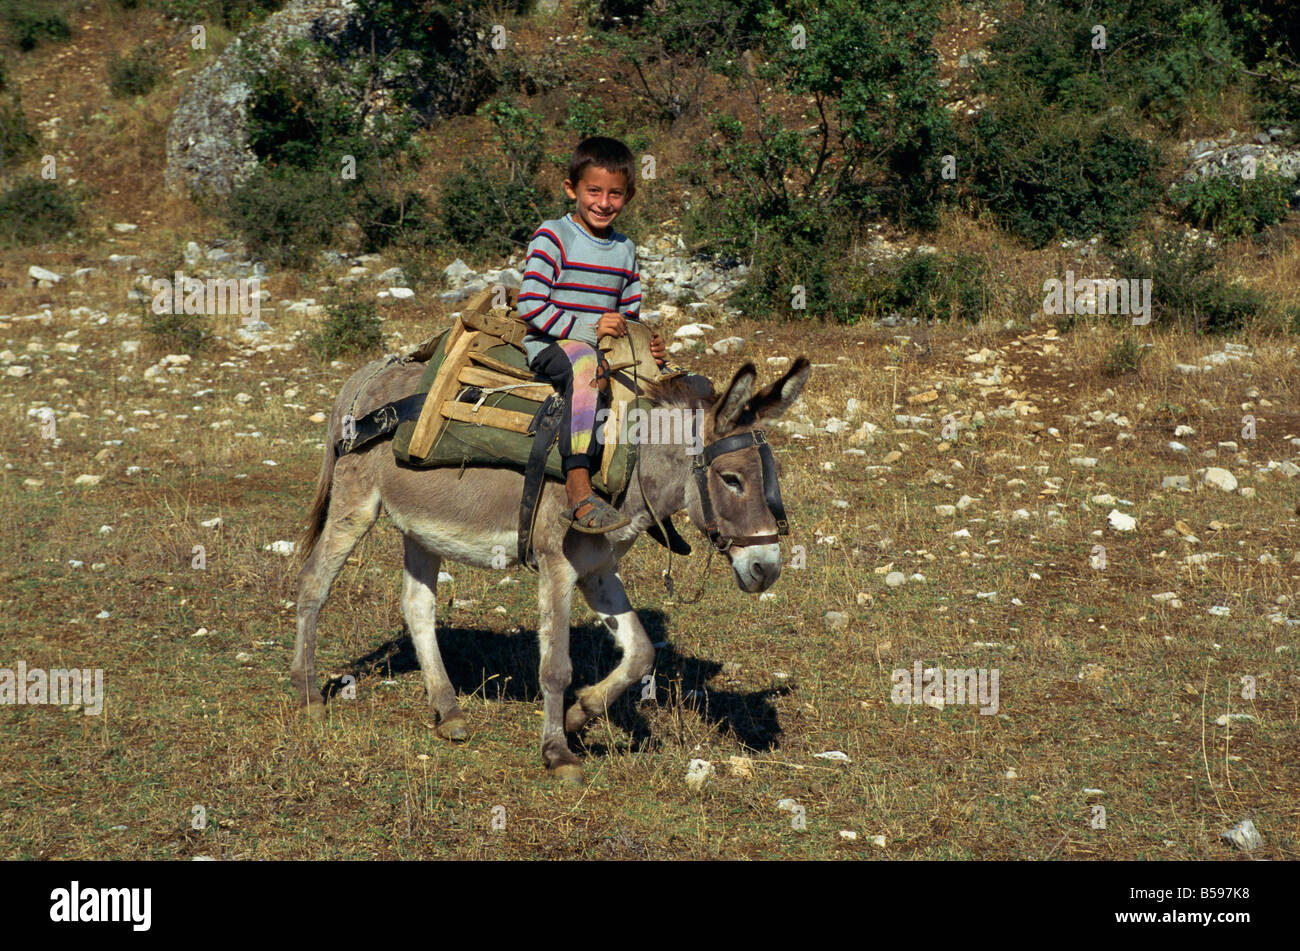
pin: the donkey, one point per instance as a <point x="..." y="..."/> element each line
<point x="729" y="490"/>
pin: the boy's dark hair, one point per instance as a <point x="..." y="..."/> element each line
<point x="610" y="154"/>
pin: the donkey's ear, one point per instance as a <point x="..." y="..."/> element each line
<point x="776" y="398"/>
<point x="729" y="407"/>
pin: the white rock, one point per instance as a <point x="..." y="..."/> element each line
<point x="877" y="840"/>
<point x="444" y="578"/>
<point x="728" y="345"/>
<point x="401" y="293"/>
<point x="1220" y="479"/>
<point x="41" y="274"/>
<point x="87" y="479"/>
<point x="848" y="835"/>
<point x="281" y="547"/>
<point x="946" y="511"/>
<point x="1120" y="521"/>
<point x="692" y="330"/>
<point x="1244" y="836"/>
<point x="895" y="579"/>
<point x="1184" y="431"/>
<point x="836" y="755"/>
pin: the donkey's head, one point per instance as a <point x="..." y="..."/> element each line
<point x="733" y="495"/>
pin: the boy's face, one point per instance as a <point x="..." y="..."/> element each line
<point x="600" y="195"/>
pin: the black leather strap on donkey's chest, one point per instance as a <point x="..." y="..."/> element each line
<point x="771" y="488"/>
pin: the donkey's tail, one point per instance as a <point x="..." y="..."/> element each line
<point x="320" y="505"/>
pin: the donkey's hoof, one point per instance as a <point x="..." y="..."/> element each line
<point x="453" y="729"/>
<point x="570" y="773"/>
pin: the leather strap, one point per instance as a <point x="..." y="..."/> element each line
<point x="545" y="431"/>
<point x="380" y="422"/>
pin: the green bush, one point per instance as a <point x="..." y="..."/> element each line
<point x="175" y="332"/>
<point x="32" y="22"/>
<point x="352" y="326"/>
<point x="386" y="219"/>
<point x="286" y="214"/>
<point x="799" y="279"/>
<point x="1159" y="56"/>
<point x="35" y="210"/>
<point x="1185" y="291"/>
<point x="482" y="210"/>
<point x="1124" y="357"/>
<point x="293" y="119"/>
<point x="1232" y="206"/>
<point x="232" y="14"/>
<point x="1042" y="175"/>
<point x="16" y="139"/>
<point x="136" y="73"/>
<point x="941" y="286"/>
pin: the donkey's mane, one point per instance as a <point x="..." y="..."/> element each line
<point x="689" y="390"/>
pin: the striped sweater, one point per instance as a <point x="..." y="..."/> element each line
<point x="570" y="279"/>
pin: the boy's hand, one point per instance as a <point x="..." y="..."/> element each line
<point x="658" y="350"/>
<point x="611" y="324"/>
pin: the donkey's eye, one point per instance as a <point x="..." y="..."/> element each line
<point x="732" y="482"/>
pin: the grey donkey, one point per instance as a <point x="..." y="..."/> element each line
<point x="471" y="517"/>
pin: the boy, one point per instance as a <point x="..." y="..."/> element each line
<point x="581" y="283"/>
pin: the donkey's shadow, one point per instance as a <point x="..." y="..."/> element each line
<point x="506" y="667"/>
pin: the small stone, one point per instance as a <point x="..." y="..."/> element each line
<point x="1180" y="482"/>
<point x="87" y="479"/>
<point x="243" y="659"/>
<point x="877" y="840"/>
<point x="698" y="774"/>
<point x="1120" y="521"/>
<point x="1244" y="836"/>
<point x="836" y="620"/>
<point x="1220" y="479"/>
<point x="895" y="579"/>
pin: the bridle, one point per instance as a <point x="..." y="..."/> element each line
<point x="771" y="488"/>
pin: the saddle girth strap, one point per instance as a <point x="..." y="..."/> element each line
<point x="546" y="433"/>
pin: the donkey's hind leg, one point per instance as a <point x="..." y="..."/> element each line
<point x="350" y="517"/>
<point x="419" y="607"/>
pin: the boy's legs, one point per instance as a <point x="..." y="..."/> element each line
<point x="572" y="368"/>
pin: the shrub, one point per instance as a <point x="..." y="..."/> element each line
<point x="480" y="209"/>
<point x="1158" y="56"/>
<point x="1062" y="175"/>
<point x="1184" y="288"/>
<point x="296" y="120"/>
<point x="1232" y="206"/>
<point x="1124" y="357"/>
<point x="351" y="326"/>
<point x="287" y="214"/>
<point x="946" y="286"/>
<point x="175" y="332"/>
<point x="134" y="74"/>
<point x="16" y="140"/>
<point x="386" y="218"/>
<point x="31" y="22"/>
<point x="35" y="210"/>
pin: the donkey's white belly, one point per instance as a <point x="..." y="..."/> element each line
<point x="480" y="547"/>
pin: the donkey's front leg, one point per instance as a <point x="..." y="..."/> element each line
<point x="554" y="595"/>
<point x="604" y="593"/>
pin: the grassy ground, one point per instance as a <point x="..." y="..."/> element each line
<point x="1101" y="687"/>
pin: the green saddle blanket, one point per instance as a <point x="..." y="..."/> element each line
<point x="471" y="444"/>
